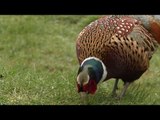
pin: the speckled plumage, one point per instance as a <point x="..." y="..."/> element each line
<point x="121" y="42"/>
<point x="124" y="44"/>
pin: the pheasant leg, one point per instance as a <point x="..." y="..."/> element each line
<point x="115" y="88"/>
<point x="124" y="90"/>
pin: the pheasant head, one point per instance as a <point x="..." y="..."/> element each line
<point x="90" y="73"/>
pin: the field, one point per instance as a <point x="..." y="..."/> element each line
<point x="38" y="64"/>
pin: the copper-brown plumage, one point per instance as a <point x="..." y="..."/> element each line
<point x="123" y="44"/>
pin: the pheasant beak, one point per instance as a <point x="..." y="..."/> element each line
<point x="83" y="96"/>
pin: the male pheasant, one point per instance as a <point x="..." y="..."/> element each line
<point x="116" y="46"/>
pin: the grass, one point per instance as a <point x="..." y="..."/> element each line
<point x="39" y="65"/>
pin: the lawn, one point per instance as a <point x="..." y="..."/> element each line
<point x="38" y="64"/>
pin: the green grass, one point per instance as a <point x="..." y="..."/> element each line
<point x="39" y="64"/>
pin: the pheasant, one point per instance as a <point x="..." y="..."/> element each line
<point x="115" y="46"/>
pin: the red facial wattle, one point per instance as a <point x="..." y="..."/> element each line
<point x="90" y="87"/>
